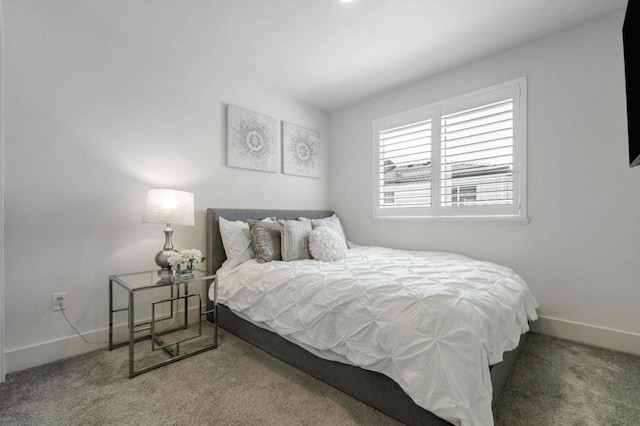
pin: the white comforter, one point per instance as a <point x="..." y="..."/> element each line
<point x="432" y="321"/>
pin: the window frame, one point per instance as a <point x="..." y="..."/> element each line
<point x="514" y="213"/>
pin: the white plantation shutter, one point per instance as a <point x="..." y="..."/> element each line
<point x="404" y="166"/>
<point x="464" y="157"/>
<point x="476" y="156"/>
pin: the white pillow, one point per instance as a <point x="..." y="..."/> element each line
<point x="327" y="245"/>
<point x="332" y="222"/>
<point x="236" y="239"/>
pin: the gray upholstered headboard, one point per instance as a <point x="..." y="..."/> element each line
<point x="215" y="250"/>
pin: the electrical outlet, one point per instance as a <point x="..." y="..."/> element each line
<point x="57" y="299"/>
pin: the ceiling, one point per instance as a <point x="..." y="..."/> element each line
<point x="328" y="54"/>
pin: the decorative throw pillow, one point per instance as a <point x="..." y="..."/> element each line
<point x="327" y="245"/>
<point x="236" y="240"/>
<point x="266" y="240"/>
<point x="332" y="222"/>
<point x="294" y="239"/>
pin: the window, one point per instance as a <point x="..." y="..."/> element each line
<point x="463" y="157"/>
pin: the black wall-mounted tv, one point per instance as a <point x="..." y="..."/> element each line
<point x="631" y="20"/>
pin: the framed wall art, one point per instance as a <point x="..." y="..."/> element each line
<point x="300" y="150"/>
<point x="252" y="140"/>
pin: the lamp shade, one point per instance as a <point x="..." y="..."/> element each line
<point x="169" y="206"/>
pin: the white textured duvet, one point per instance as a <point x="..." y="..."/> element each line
<point x="432" y="321"/>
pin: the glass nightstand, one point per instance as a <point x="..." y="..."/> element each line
<point x="167" y="319"/>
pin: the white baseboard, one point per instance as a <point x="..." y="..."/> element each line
<point x="618" y="340"/>
<point x="65" y="347"/>
<point x="54" y="350"/>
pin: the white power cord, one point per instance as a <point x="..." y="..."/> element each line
<point x="62" y="309"/>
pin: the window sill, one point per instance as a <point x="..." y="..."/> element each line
<point x="507" y="220"/>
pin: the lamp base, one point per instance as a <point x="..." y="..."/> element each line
<point x="162" y="260"/>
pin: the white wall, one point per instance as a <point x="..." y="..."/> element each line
<point x="95" y="117"/>
<point x="580" y="253"/>
<point x="2" y="362"/>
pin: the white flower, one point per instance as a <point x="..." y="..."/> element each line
<point x="192" y="256"/>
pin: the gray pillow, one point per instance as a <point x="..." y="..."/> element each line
<point x="295" y="244"/>
<point x="265" y="237"/>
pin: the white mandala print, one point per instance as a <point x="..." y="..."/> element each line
<point x="251" y="140"/>
<point x="301" y="151"/>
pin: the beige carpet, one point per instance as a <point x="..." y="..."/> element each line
<point x="554" y="383"/>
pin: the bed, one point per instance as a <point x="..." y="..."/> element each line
<point x="367" y="384"/>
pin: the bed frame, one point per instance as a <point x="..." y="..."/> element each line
<point x="370" y="387"/>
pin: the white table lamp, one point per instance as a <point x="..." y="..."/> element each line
<point x="168" y="206"/>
